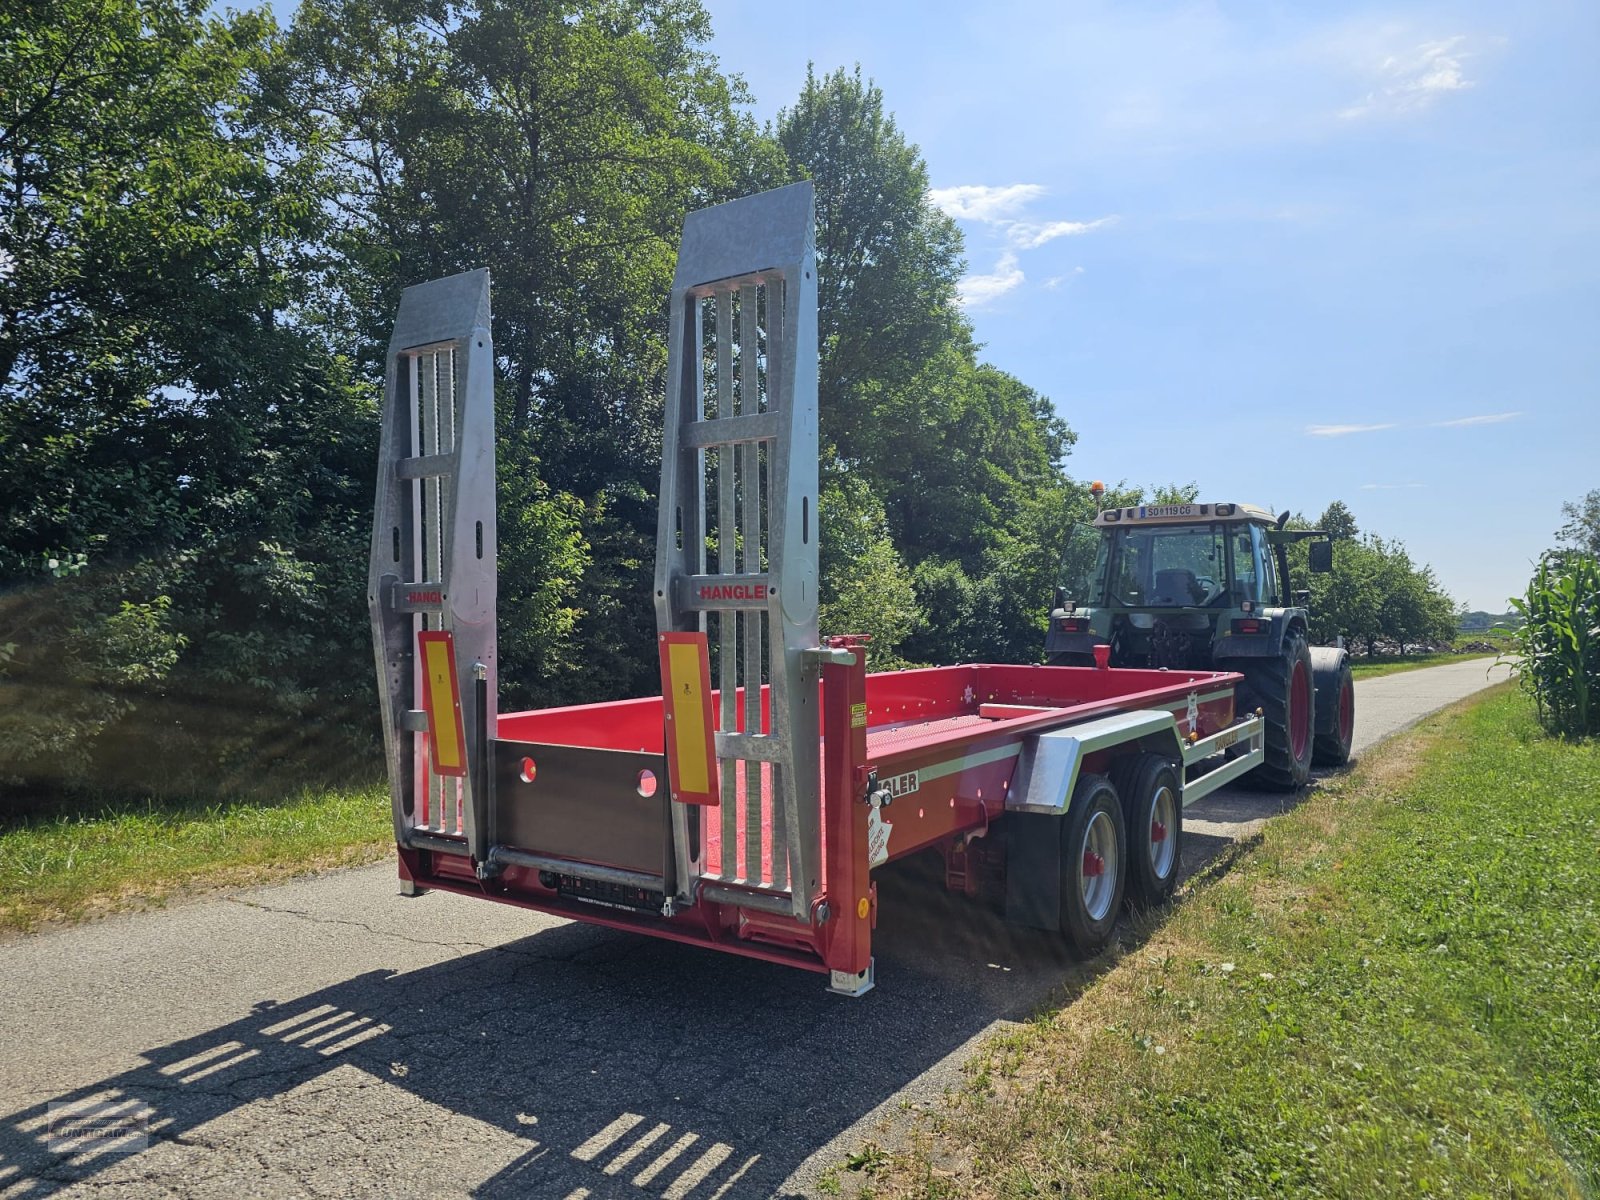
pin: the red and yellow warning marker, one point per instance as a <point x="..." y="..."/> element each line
<point x="691" y="730"/>
<point x="441" y="700"/>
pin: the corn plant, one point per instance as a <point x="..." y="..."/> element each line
<point x="1557" y="651"/>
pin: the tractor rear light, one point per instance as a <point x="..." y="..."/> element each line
<point x="1250" y="625"/>
<point x="1224" y="510"/>
<point x="1072" y="625"/>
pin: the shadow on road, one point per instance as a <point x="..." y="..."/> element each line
<point x="628" y="1066"/>
<point x="623" y="1065"/>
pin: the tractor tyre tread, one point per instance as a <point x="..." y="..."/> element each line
<point x="1329" y="748"/>
<point x="1266" y="686"/>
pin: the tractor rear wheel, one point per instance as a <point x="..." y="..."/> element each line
<point x="1332" y="746"/>
<point x="1281" y="688"/>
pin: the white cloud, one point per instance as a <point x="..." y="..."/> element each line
<point x="1343" y="430"/>
<point x="978" y="202"/>
<point x="1414" y="79"/>
<point x="1001" y="209"/>
<point x="1389" y="487"/>
<point x="1055" y="281"/>
<point x="980" y="289"/>
<point x="1487" y="419"/>
<point x="1027" y="236"/>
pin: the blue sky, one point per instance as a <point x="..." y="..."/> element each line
<point x="1294" y="252"/>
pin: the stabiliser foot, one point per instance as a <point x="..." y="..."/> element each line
<point x="843" y="983"/>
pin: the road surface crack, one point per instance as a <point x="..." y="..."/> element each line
<point x="458" y="947"/>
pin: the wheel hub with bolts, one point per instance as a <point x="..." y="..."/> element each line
<point x="1099" y="883"/>
<point x="1163" y="816"/>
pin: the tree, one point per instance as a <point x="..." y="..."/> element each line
<point x="1582" y="528"/>
<point x="186" y="464"/>
<point x="1338" y="521"/>
<point x="560" y="144"/>
<point x="888" y="261"/>
<point x="1376" y="594"/>
<point x="962" y="456"/>
<point x="865" y="585"/>
<point x="1176" y="493"/>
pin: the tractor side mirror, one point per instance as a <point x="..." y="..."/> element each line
<point x="1321" y="557"/>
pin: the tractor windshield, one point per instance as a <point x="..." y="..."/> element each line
<point x="1169" y="566"/>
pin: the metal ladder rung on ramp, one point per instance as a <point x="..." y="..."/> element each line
<point x="739" y="475"/>
<point x="432" y="567"/>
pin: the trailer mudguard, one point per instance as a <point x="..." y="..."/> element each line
<point x="1033" y="871"/>
<point x="1047" y="772"/>
<point x="1050" y="762"/>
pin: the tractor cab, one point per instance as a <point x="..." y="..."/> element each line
<point x="1171" y="585"/>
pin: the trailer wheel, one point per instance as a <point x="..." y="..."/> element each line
<point x="1070" y="658"/>
<point x="1152" y="802"/>
<point x="1093" y="862"/>
<point x="1281" y="687"/>
<point x="1332" y="745"/>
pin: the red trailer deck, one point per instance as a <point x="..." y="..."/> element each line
<point x="947" y="752"/>
<point x="748" y="818"/>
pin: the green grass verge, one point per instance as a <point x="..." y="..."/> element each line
<point x="71" y="866"/>
<point x="1395" y="993"/>
<point x="1391" y="664"/>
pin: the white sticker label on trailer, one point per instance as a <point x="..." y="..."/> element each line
<point x="878" y="831"/>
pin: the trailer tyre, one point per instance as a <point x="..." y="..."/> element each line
<point x="1282" y="688"/>
<point x="1152" y="805"/>
<point x="1332" y="745"/>
<point x="1093" y="864"/>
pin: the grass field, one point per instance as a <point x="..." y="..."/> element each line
<point x="1390" y="664"/>
<point x="72" y="866"/>
<point x="1395" y="993"/>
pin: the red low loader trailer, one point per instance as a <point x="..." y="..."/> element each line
<point x="746" y="806"/>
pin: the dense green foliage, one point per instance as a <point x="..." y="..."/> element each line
<point x="205" y="225"/>
<point x="1376" y="594"/>
<point x="186" y="465"/>
<point x="1581" y="531"/>
<point x="1557" y="648"/>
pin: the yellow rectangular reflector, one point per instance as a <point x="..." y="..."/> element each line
<point x="691" y="731"/>
<point x="441" y="700"/>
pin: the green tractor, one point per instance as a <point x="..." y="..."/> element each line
<point x="1206" y="587"/>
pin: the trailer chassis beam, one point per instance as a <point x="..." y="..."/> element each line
<point x="1251" y="731"/>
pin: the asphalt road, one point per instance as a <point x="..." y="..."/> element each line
<point x="326" y="1037"/>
